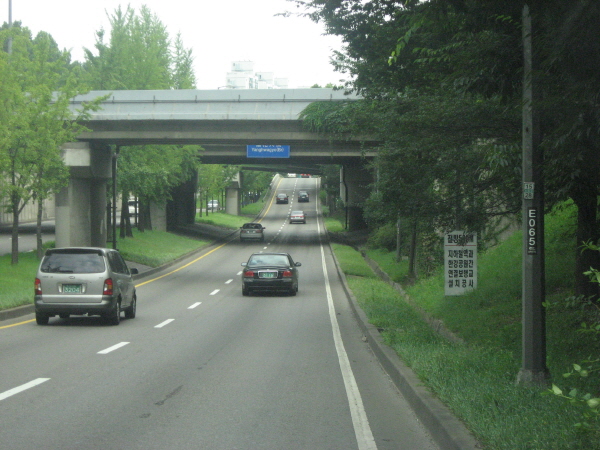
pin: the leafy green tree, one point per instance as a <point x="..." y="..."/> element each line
<point x="36" y="89"/>
<point x="183" y="66"/>
<point x="139" y="54"/>
<point x="471" y="50"/>
<point x="213" y="179"/>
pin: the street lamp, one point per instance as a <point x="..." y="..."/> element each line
<point x="9" y="47"/>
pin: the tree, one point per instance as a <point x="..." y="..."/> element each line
<point x="149" y="172"/>
<point x="471" y="50"/>
<point x="140" y="55"/>
<point x="37" y="90"/>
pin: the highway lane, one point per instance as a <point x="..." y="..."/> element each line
<point x="204" y="367"/>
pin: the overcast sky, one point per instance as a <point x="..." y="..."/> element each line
<point x="218" y="32"/>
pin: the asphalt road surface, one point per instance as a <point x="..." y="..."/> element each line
<point x="202" y="367"/>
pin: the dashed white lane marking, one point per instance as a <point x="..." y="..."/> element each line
<point x="240" y="272"/>
<point x="194" y="305"/>
<point x="113" y="348"/>
<point x="215" y="291"/>
<point x="162" y="324"/>
<point x="229" y="281"/>
<point x="23" y="387"/>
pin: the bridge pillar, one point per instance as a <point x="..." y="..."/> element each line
<point x="81" y="206"/>
<point x="232" y="195"/>
<point x="181" y="209"/>
<point x="354" y="190"/>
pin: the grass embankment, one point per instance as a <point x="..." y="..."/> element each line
<point x="477" y="379"/>
<point x="151" y="248"/>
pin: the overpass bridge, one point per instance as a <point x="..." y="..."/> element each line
<point x="225" y="123"/>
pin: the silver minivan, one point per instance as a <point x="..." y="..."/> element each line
<point x="84" y="280"/>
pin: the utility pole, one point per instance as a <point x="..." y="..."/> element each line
<point x="533" y="369"/>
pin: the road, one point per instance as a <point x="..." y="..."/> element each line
<point x="202" y="367"/>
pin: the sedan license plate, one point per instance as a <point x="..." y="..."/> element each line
<point x="71" y="288"/>
<point x="267" y="274"/>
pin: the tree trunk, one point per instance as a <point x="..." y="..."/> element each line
<point x="412" y="257"/>
<point x="125" y="230"/>
<point x="15" y="233"/>
<point x="144" y="219"/>
<point x="398" y="241"/>
<point x="38" y="229"/>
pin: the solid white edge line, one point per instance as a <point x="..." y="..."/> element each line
<point x="162" y="324"/>
<point x="114" y="347"/>
<point x="362" y="429"/>
<point x="23" y="387"/>
<point x="194" y="305"/>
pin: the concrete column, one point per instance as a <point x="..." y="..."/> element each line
<point x="181" y="209"/>
<point x="158" y="216"/>
<point x="354" y="190"/>
<point x="233" y="198"/>
<point x="232" y="201"/>
<point x="81" y="206"/>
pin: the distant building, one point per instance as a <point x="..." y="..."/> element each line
<point x="242" y="76"/>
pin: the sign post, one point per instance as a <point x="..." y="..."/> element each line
<point x="460" y="262"/>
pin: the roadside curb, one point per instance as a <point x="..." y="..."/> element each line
<point x="447" y="431"/>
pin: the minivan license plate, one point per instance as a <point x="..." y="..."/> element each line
<point x="72" y="288"/>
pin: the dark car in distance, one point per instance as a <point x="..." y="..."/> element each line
<point x="303" y="196"/>
<point x="282" y="198"/>
<point x="252" y="231"/>
<point x="270" y="272"/>
<point x="84" y="280"/>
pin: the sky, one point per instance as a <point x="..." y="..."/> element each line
<point x="219" y="32"/>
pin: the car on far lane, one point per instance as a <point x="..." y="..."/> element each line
<point x="303" y="196"/>
<point x="282" y="198"/>
<point x="297" y="217"/>
<point x="252" y="231"/>
<point x="270" y="272"/>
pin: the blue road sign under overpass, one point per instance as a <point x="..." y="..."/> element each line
<point x="268" y="151"/>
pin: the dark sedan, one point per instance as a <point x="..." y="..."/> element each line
<point x="282" y="198"/>
<point x="270" y="272"/>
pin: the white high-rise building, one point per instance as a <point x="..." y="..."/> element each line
<point x="242" y="76"/>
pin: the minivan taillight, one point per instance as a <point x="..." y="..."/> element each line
<point x="108" y="287"/>
<point x="38" y="287"/>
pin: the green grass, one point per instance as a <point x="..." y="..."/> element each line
<point x="155" y="248"/>
<point x="16" y="288"/>
<point x="477" y="380"/>
<point x="221" y="219"/>
<point x="333" y="225"/>
<point x="253" y="209"/>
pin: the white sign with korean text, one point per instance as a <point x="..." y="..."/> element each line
<point x="460" y="262"/>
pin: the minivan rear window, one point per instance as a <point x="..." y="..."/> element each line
<point x="73" y="263"/>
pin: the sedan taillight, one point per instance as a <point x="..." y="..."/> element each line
<point x="286" y="273"/>
<point x="108" y="287"/>
<point x="38" y="287"/>
<point x="249" y="274"/>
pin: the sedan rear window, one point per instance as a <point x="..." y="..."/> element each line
<point x="73" y="263"/>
